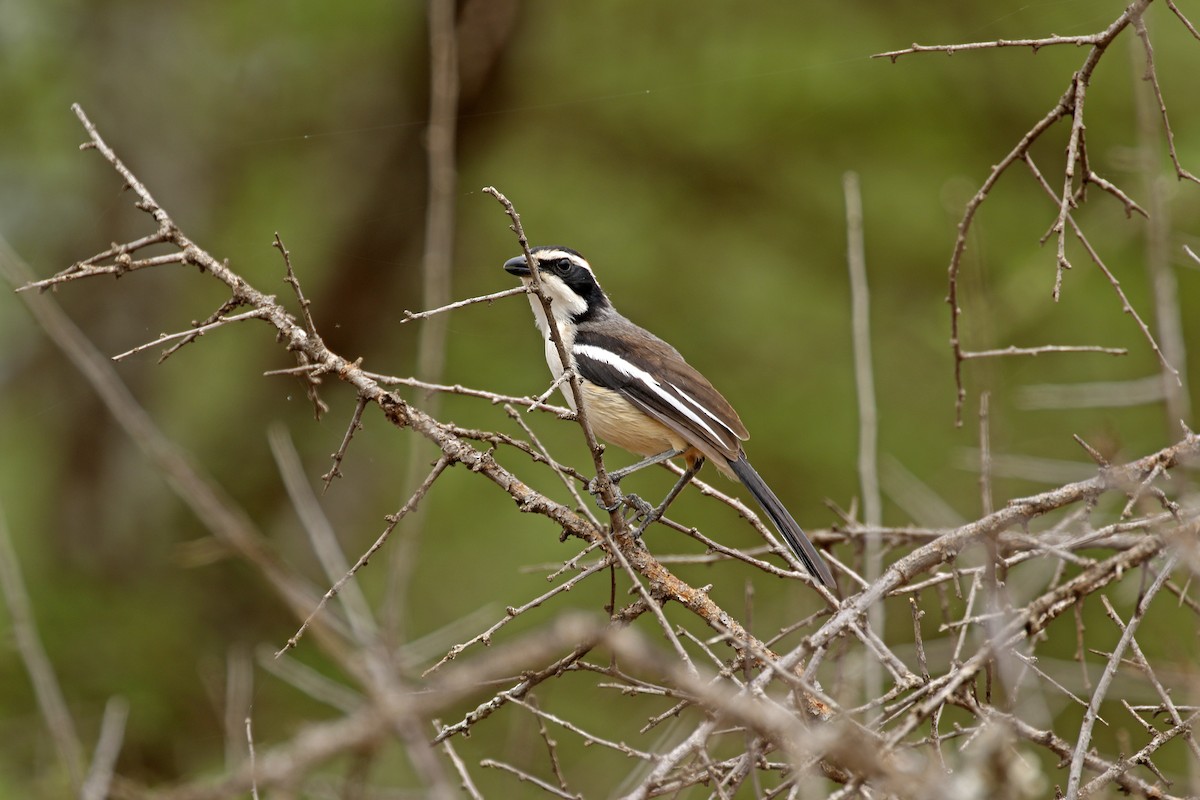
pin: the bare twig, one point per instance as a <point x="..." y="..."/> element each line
<point x="589" y="738"/>
<point x="512" y="612"/>
<point x="108" y="748"/>
<point x="393" y="520"/>
<point x="1070" y="105"/>
<point x="551" y="745"/>
<point x="239" y="695"/>
<point x="226" y="307"/>
<point x="494" y="397"/>
<point x="487" y="298"/>
<point x="1168" y="314"/>
<point x="1186" y="22"/>
<point x="468" y="785"/>
<point x="1032" y="44"/>
<point x="1083" y="742"/>
<point x="985" y="454"/>
<point x="1151" y="77"/>
<point x="191" y="334"/>
<point x="308" y="681"/>
<point x="563" y="473"/>
<point x="868" y="422"/>
<point x="1037" y="351"/>
<point x="253" y="762"/>
<point x="1126" y="306"/>
<point x="46" y="689"/>
<point x="123" y="265"/>
<point x="227" y="522"/>
<point x="321" y="534"/>
<point x="312" y="378"/>
<point x="291" y="280"/>
<point x="525" y="777"/>
<point x="335" y="471"/>
<point x="539" y="401"/>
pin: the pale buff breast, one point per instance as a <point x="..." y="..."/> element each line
<point x="615" y="421"/>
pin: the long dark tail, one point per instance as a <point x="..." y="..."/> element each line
<point x="788" y="527"/>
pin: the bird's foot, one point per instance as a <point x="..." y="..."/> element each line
<point x="638" y="508"/>
<point x="594" y="490"/>
<point x="649" y="515"/>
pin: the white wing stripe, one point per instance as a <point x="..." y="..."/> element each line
<point x="630" y="370"/>
<point x="708" y="413"/>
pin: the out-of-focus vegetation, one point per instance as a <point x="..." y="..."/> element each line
<point x="694" y="153"/>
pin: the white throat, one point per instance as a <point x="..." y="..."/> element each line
<point x="564" y="304"/>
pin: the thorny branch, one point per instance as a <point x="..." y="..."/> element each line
<point x="317" y="359"/>
<point x="1077" y="174"/>
<point x="786" y="702"/>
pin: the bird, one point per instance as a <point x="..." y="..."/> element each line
<point x="640" y="394"/>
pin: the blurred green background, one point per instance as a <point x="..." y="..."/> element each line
<point x="694" y="153"/>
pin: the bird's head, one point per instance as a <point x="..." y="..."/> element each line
<point x="567" y="281"/>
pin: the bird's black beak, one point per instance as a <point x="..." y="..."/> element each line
<point x="517" y="266"/>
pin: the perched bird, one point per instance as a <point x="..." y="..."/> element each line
<point x="640" y="394"/>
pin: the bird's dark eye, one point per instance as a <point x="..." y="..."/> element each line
<point x="562" y="267"/>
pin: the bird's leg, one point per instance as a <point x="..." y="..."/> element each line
<point x="616" y="476"/>
<point x="684" y="480"/>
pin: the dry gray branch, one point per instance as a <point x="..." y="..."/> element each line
<point x="716" y="705"/>
<point x="108" y="747"/>
<point x="1076" y="172"/>
<point x="46" y="690"/>
<point x="392" y="521"/>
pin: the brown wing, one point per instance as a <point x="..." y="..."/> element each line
<point x="654" y="377"/>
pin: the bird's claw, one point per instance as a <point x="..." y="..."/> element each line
<point x="649" y="517"/>
<point x="594" y="490"/>
<point x="638" y="506"/>
<point x="640" y="509"/>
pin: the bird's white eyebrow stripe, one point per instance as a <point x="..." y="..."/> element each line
<point x="645" y="378"/>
